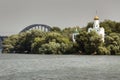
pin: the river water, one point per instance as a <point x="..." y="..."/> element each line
<point x="59" y="67"/>
<point x="0" y="50"/>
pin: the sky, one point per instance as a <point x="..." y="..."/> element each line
<point x="15" y="15"/>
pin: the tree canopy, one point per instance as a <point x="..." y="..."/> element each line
<point x="59" y="41"/>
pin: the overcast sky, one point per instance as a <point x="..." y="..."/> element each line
<point x="17" y="14"/>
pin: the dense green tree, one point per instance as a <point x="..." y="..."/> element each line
<point x="50" y="48"/>
<point x="117" y="27"/>
<point x="89" y="25"/>
<point x="56" y="29"/>
<point x="9" y="43"/>
<point x="108" y="25"/>
<point x="103" y="51"/>
<point x="22" y="42"/>
<point x="37" y="44"/>
<point x="94" y="41"/>
<point x="53" y="43"/>
<point x="81" y="40"/>
<point x="89" y="42"/>
<point x="112" y="42"/>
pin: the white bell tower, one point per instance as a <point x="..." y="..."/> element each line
<point x="96" y="27"/>
<point x="96" y="22"/>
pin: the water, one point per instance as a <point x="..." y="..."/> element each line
<point x="59" y="67"/>
<point x="0" y="50"/>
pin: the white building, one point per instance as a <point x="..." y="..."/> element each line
<point x="75" y="33"/>
<point x="97" y="28"/>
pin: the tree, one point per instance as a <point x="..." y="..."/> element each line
<point x="53" y="43"/>
<point x="112" y="42"/>
<point x="89" y="25"/>
<point x="22" y="42"/>
<point x="67" y="32"/>
<point x="108" y="25"/>
<point x="9" y="44"/>
<point x="94" y="41"/>
<point x="50" y="48"/>
<point x="103" y="51"/>
<point x="56" y="29"/>
<point x="60" y="41"/>
<point x="89" y="42"/>
<point x="81" y="40"/>
<point x="37" y="44"/>
<point x="117" y="27"/>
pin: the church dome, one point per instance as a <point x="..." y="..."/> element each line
<point x="96" y="18"/>
<point x="76" y="31"/>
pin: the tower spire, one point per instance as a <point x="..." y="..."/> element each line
<point x="96" y="17"/>
<point x="96" y="12"/>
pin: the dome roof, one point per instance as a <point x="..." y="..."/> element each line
<point x="76" y="31"/>
<point x="96" y="18"/>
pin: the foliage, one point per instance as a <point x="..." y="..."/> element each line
<point x="50" y="48"/>
<point x="9" y="43"/>
<point x="89" y="25"/>
<point x="22" y="42"/>
<point x="67" y="32"/>
<point x="56" y="29"/>
<point x="113" y="43"/>
<point x="108" y="25"/>
<point x="60" y="41"/>
<point x="112" y="38"/>
<point x="55" y="43"/>
<point x="89" y="42"/>
<point x="103" y="51"/>
<point x="36" y="41"/>
<point x="37" y="44"/>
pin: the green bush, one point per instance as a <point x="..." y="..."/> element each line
<point x="103" y="51"/>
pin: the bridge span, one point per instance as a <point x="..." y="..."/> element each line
<point x="41" y="27"/>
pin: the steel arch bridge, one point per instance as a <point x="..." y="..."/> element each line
<point x="2" y="38"/>
<point x="41" y="27"/>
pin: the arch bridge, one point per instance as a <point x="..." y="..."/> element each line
<point x="41" y="27"/>
<point x="2" y="38"/>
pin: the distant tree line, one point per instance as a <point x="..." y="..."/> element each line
<point x="60" y="41"/>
